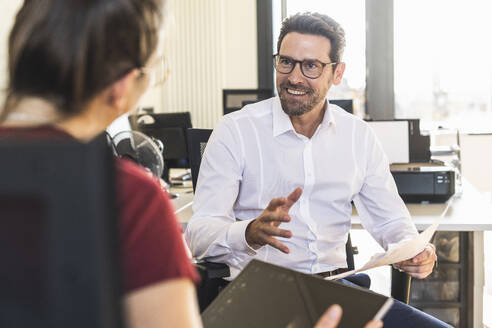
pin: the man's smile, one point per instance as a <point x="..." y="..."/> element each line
<point x="296" y="92"/>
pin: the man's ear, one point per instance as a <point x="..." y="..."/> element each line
<point x="338" y="75"/>
<point x="119" y="92"/>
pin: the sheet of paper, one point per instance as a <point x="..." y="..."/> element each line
<point x="404" y="251"/>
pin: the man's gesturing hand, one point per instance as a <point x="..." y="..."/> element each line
<point x="261" y="230"/>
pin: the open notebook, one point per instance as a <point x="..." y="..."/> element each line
<point x="266" y="295"/>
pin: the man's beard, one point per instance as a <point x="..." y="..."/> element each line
<point x="293" y="107"/>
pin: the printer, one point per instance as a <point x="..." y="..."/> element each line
<point x="417" y="178"/>
<point x="424" y="182"/>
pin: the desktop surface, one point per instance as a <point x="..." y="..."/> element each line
<point x="470" y="211"/>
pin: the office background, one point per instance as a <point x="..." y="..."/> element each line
<point x="212" y="45"/>
<point x="221" y="52"/>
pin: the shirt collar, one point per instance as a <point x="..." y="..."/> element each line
<point x="282" y="123"/>
<point x="328" y="118"/>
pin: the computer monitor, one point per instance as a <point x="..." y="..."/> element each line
<point x="170" y="129"/>
<point x="235" y="99"/>
<point x="347" y="104"/>
<point x="394" y="139"/>
<point x="403" y="137"/>
<point x="58" y="236"/>
<point x="419" y="144"/>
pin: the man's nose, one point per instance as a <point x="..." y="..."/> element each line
<point x="296" y="75"/>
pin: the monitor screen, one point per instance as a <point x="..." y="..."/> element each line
<point x="170" y="129"/>
<point x="235" y="99"/>
<point x="346" y="104"/>
<point x="394" y="138"/>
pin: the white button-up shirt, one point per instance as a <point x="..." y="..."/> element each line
<point x="255" y="154"/>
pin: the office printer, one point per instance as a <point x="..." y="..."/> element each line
<point x="417" y="179"/>
<point x="424" y="182"/>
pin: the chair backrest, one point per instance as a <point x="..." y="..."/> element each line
<point x="58" y="237"/>
<point x="197" y="141"/>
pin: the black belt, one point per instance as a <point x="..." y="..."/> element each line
<point x="331" y="273"/>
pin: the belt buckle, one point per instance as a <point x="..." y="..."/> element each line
<point x="328" y="273"/>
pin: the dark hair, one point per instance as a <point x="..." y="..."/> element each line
<point x="316" y="24"/>
<point x="67" y="51"/>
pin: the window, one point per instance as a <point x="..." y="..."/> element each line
<point x="443" y="71"/>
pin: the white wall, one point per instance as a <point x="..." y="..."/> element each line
<point x="240" y="45"/>
<point x="8" y="9"/>
<point x="476" y="157"/>
<point x="210" y="45"/>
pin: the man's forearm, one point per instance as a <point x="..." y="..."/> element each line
<point x="218" y="241"/>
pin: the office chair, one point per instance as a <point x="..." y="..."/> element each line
<point x="212" y="273"/>
<point x="58" y="237"/>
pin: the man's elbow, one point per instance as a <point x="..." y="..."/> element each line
<point x="190" y="240"/>
<point x="196" y="238"/>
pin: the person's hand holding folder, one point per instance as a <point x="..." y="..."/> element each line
<point x="332" y="316"/>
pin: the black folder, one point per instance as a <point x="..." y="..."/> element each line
<point x="266" y="295"/>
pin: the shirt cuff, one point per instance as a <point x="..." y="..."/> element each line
<point x="236" y="238"/>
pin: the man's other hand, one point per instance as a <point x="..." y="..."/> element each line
<point x="421" y="265"/>
<point x="332" y="316"/>
<point x="262" y="230"/>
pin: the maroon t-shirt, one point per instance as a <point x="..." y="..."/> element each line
<point x="152" y="246"/>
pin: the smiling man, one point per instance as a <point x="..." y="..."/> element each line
<point x="278" y="177"/>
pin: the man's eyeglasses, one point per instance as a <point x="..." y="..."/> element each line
<point x="311" y="69"/>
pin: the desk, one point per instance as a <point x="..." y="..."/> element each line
<point x="471" y="212"/>
<point x="182" y="205"/>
